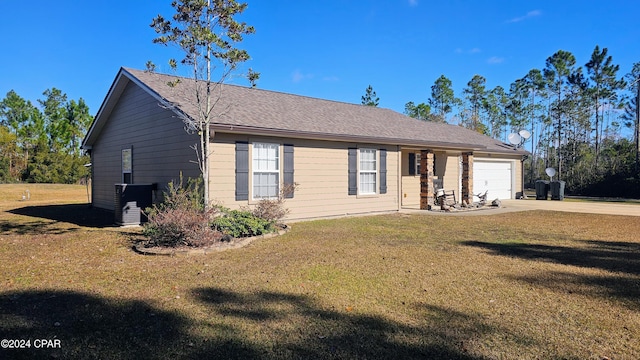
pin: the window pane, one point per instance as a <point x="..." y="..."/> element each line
<point x="265" y="185"/>
<point x="126" y="160"/>
<point x="367" y="183"/>
<point x="265" y="157"/>
<point x="367" y="160"/>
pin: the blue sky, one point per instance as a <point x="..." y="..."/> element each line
<point x="326" y="49"/>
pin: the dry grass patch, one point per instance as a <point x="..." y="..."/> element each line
<point x="516" y="286"/>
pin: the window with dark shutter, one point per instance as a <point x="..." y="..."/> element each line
<point x="242" y="171"/>
<point x="287" y="170"/>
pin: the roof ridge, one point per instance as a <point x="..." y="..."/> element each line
<point x="132" y="70"/>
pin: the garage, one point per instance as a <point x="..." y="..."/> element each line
<point x="496" y="177"/>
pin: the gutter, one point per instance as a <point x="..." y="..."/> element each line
<point x="399" y="177"/>
<point x="251" y="130"/>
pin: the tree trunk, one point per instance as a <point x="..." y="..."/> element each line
<point x="597" y="133"/>
<point x="637" y="132"/>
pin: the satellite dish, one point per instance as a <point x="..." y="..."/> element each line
<point x="551" y="172"/>
<point x="514" y="139"/>
<point x="525" y="134"/>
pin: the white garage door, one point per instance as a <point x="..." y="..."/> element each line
<point x="494" y="177"/>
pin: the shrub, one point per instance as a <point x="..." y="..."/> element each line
<point x="181" y="220"/>
<point x="180" y="227"/>
<point x="180" y="196"/>
<point x="273" y="210"/>
<point x="241" y="223"/>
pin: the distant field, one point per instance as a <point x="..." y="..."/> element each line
<point x="11" y="194"/>
<point x="509" y="286"/>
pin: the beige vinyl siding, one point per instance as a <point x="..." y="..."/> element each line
<point x="519" y="185"/>
<point x="451" y="177"/>
<point x="161" y="147"/>
<point x="410" y="183"/>
<point x="320" y="170"/>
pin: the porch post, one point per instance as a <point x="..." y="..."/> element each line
<point x="426" y="179"/>
<point x="467" y="177"/>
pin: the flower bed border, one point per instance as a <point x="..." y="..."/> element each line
<point x="238" y="243"/>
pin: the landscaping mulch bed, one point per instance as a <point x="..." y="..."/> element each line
<point x="141" y="248"/>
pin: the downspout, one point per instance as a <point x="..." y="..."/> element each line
<point x="399" y="177"/>
<point x="212" y="135"/>
<point x="90" y="177"/>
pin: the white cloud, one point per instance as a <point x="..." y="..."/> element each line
<point x="298" y="76"/>
<point x="529" y="15"/>
<point x="331" y="78"/>
<point x="413" y="2"/>
<point x="495" y="60"/>
<point x="474" y="51"/>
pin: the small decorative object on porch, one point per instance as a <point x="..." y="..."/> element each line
<point x="483" y="198"/>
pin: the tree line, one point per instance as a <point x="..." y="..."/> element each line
<point x="40" y="142"/>
<point x="576" y="116"/>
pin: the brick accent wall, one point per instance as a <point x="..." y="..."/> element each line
<point x="426" y="180"/>
<point x="467" y="177"/>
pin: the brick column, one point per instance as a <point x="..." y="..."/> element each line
<point x="467" y="177"/>
<point x="426" y="180"/>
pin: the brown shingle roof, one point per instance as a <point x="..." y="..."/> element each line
<point x="243" y="109"/>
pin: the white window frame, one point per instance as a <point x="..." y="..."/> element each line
<point x="362" y="171"/>
<point x="127" y="165"/>
<point x="261" y="164"/>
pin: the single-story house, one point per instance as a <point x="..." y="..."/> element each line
<point x="345" y="158"/>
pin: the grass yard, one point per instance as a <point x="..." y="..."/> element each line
<point x="529" y="285"/>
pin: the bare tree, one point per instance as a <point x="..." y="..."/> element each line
<point x="207" y="33"/>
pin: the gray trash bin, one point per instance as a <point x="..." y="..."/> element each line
<point x="557" y="190"/>
<point x="542" y="189"/>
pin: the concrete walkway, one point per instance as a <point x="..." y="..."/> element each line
<point x="596" y="207"/>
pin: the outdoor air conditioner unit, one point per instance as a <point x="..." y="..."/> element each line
<point x="130" y="201"/>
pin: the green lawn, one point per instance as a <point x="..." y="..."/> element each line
<point x="537" y="285"/>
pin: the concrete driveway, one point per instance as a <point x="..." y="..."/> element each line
<point x="596" y="207"/>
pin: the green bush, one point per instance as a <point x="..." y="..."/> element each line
<point x="241" y="223"/>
